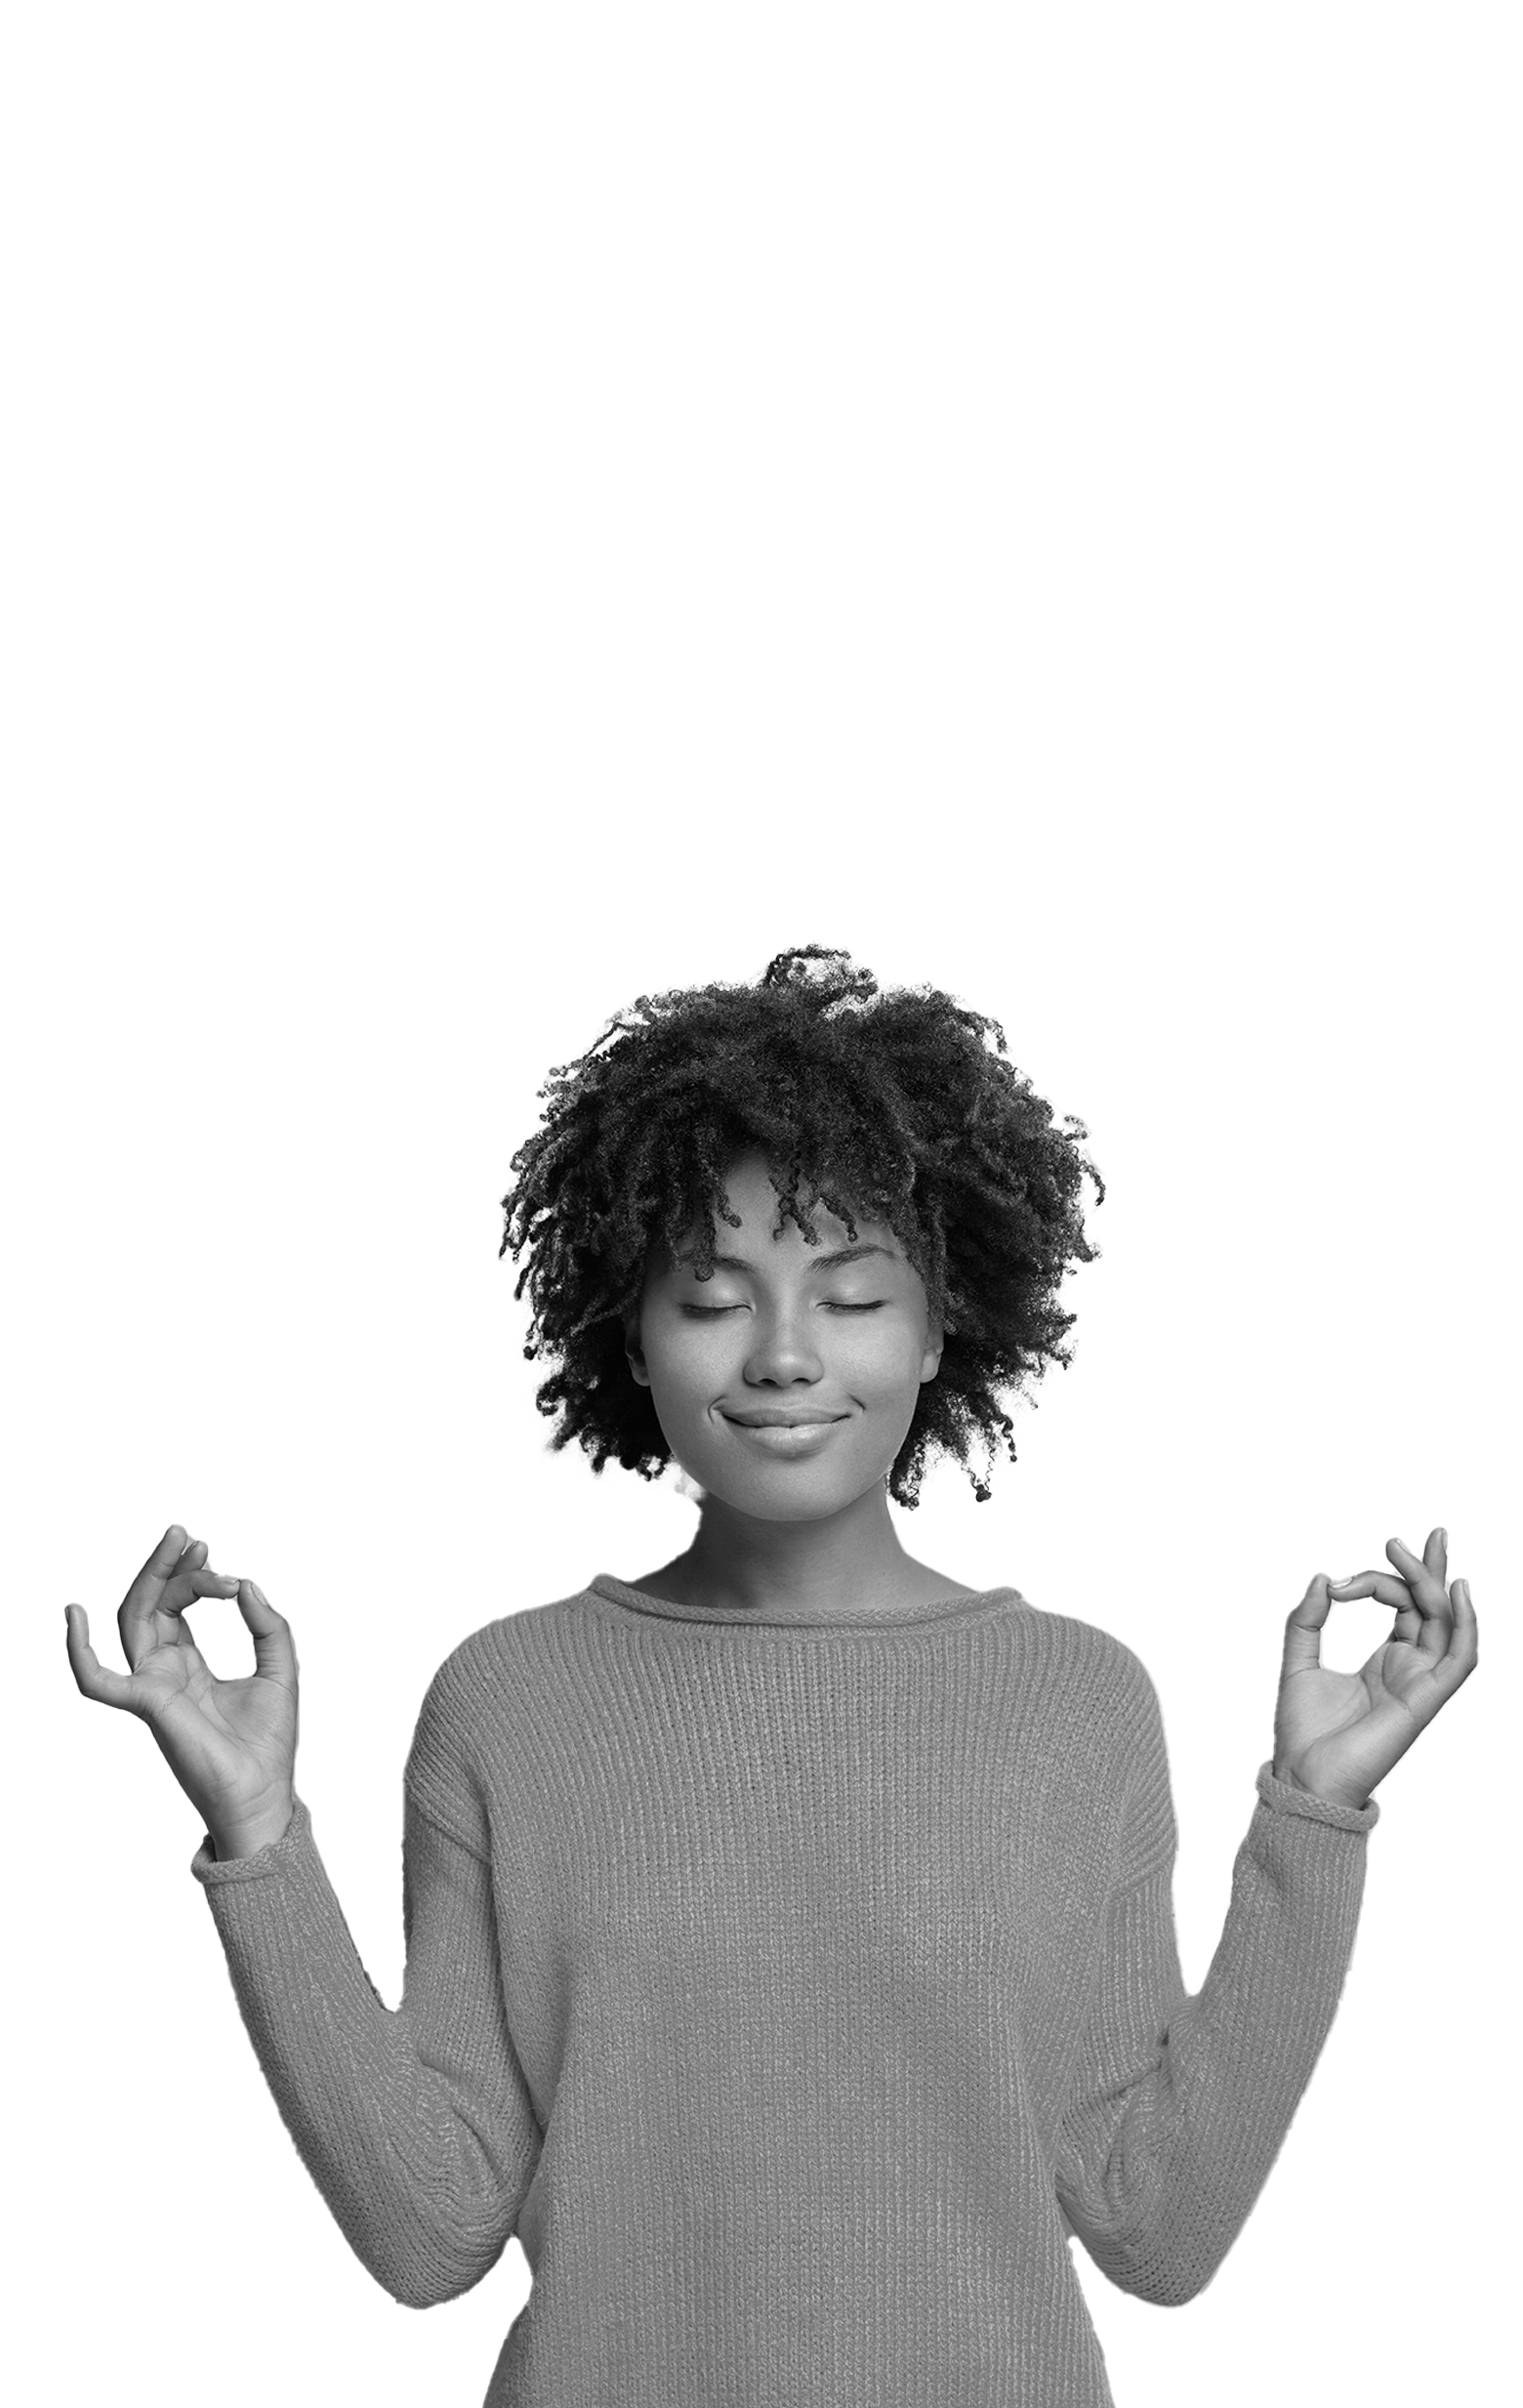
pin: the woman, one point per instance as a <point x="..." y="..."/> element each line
<point x="791" y="1961"/>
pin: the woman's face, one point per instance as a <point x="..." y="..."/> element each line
<point x="782" y="1328"/>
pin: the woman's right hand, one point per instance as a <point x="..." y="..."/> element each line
<point x="229" y="1744"/>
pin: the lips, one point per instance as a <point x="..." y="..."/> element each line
<point x="789" y="1438"/>
<point x="783" y="1421"/>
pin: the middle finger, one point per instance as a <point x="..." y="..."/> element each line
<point x="194" y="1578"/>
<point x="170" y="1594"/>
<point x="1425" y="1573"/>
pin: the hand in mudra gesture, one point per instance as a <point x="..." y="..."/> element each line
<point x="1338" y="1734"/>
<point x="229" y="1744"/>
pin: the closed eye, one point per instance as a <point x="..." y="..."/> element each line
<point x="706" y="1312"/>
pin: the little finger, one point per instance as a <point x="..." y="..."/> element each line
<point x="95" y="1679"/>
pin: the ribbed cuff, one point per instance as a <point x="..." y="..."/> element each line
<point x="1286" y="1798"/>
<point x="273" y="1857"/>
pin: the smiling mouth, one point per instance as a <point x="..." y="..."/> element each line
<point x="785" y="1435"/>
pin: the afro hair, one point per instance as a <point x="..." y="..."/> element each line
<point x="885" y="1106"/>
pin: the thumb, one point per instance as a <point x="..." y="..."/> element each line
<point x="1303" y="1628"/>
<point x="274" y="1649"/>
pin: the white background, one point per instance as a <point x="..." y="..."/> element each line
<point x="513" y="509"/>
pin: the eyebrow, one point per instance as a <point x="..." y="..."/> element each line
<point x="824" y="1262"/>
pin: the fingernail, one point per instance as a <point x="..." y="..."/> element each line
<point x="1443" y="1540"/>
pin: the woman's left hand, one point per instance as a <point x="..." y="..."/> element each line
<point x="1338" y="1734"/>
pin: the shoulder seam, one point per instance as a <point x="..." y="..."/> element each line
<point x="443" y="1830"/>
<point x="1139" y="1881"/>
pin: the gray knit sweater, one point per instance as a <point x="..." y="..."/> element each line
<point x="794" y="1991"/>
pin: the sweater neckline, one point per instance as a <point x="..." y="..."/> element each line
<point x="940" y="1611"/>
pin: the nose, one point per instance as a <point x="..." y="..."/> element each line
<point x="782" y="1349"/>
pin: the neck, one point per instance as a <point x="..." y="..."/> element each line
<point x="851" y="1561"/>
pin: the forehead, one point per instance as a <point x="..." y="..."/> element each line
<point x="753" y="1196"/>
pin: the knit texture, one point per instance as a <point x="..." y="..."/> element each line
<point x="795" y="1991"/>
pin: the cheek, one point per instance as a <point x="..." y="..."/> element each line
<point x="698" y="1353"/>
<point x="689" y="1365"/>
<point x="881" y="1374"/>
<point x="887" y="1348"/>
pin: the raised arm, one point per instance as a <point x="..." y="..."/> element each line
<point x="415" y="2125"/>
<point x="1180" y="2104"/>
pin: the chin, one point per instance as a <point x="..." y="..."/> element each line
<point x="784" y="1508"/>
<point x="794" y="1495"/>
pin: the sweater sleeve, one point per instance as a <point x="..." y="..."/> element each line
<point x="1179" y="2105"/>
<point x="416" y="2125"/>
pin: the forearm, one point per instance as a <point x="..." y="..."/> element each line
<point x="1162" y="2171"/>
<point x="418" y="2195"/>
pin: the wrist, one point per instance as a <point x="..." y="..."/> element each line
<point x="1293" y="1780"/>
<point x="230" y="1839"/>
